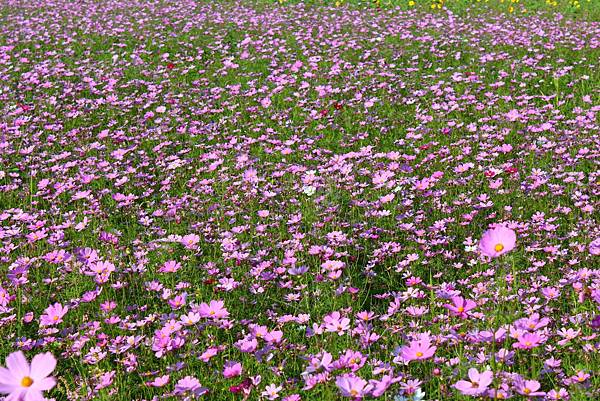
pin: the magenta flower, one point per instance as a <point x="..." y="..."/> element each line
<point x="53" y="314"/>
<point x="497" y="241"/>
<point x="460" y="306"/>
<point x="532" y="322"/>
<point x="232" y="369"/>
<point x="477" y="384"/>
<point x="23" y="382"/>
<point x="594" y="247"/>
<point x="417" y="350"/>
<point x="528" y="340"/>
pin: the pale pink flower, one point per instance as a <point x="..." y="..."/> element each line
<point x="477" y="383"/>
<point x="497" y="241"/>
<point x="213" y="310"/>
<point x="24" y="382"/>
<point x="352" y="386"/>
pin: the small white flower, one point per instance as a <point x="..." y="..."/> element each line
<point x="309" y="190"/>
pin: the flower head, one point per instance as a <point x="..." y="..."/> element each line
<point x="460" y="307"/>
<point x="497" y="241"/>
<point x="477" y="383"/>
<point x="24" y="382"/>
<point x="53" y="314"/>
<point x="417" y="350"/>
<point x="352" y="386"/>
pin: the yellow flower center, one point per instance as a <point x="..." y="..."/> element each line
<point x="499" y="247"/>
<point x="419" y="354"/>
<point x="27" y="381"/>
<point x="527" y="391"/>
<point x="461" y="309"/>
<point x="353" y="393"/>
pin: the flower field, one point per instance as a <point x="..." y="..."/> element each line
<point x="264" y="200"/>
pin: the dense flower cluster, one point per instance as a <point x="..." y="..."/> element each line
<point x="252" y="201"/>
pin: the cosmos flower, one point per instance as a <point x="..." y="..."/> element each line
<point x="190" y="385"/>
<point x="190" y="241"/>
<point x="477" y="383"/>
<point x="594" y="247"/>
<point x="417" y="350"/>
<point x="272" y="391"/>
<point x="213" y="310"/>
<point x="497" y="241"/>
<point x="528" y="340"/>
<point x="460" y="306"/>
<point x="53" y="315"/>
<point x="528" y="388"/>
<point x="595" y="322"/>
<point x="20" y="381"/>
<point x="232" y="369"/>
<point x="352" y="386"/>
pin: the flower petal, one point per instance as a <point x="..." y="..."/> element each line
<point x="33" y="395"/>
<point x="16" y="395"/>
<point x="42" y="365"/>
<point x="44" y="384"/>
<point x="7" y="388"/>
<point x="17" y="364"/>
<point x="7" y="377"/>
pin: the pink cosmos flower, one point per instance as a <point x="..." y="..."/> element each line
<point x="561" y="394"/>
<point x="272" y="391"/>
<point x="23" y="382"/>
<point x="460" y="306"/>
<point x="159" y="381"/>
<point x="213" y="310"/>
<point x="478" y="383"/>
<point x="232" y="369"/>
<point x="594" y="247"/>
<point x="417" y="350"/>
<point x="352" y="386"/>
<point x="532" y="322"/>
<point x="170" y="266"/>
<point x="191" y="385"/>
<point x="528" y="388"/>
<point x="53" y="314"/>
<point x="190" y="241"/>
<point x="335" y="323"/>
<point x="528" y="340"/>
<point x="265" y="102"/>
<point x="4" y="297"/>
<point x="497" y="241"/>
